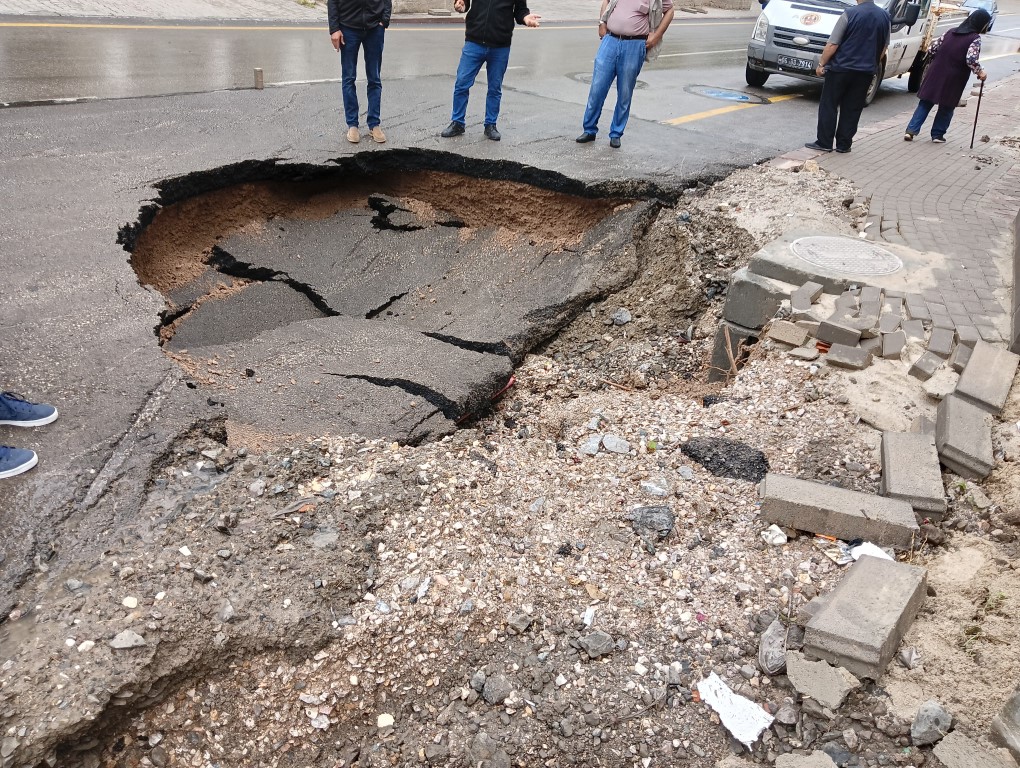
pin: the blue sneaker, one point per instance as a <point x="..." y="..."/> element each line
<point x="18" y="412"/>
<point x="14" y="461"/>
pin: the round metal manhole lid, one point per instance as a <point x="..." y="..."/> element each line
<point x="726" y="94"/>
<point x="843" y="254"/>
<point x="585" y="77"/>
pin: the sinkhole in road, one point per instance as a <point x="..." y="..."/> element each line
<point x="390" y="295"/>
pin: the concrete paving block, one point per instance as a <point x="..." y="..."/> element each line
<point x="892" y="305"/>
<point x="739" y="339"/>
<point x="804" y="353"/>
<point x="911" y="471"/>
<point x="988" y="377"/>
<point x="788" y="333"/>
<point x="914" y="330"/>
<point x="967" y="335"/>
<point x="752" y="300"/>
<point x="888" y="322"/>
<point x="869" y="612"/>
<point x="816" y="759"/>
<point x="806" y="295"/>
<point x="847" y="301"/>
<point x="941" y="342"/>
<point x="827" y="685"/>
<point x="1006" y="726"/>
<point x="958" y="360"/>
<point x="811" y="326"/>
<point x="847" y="515"/>
<point x="893" y="344"/>
<point x="871" y="294"/>
<point x="836" y="331"/>
<point x="925" y="366"/>
<point x="844" y="356"/>
<point x="958" y="751"/>
<point x="872" y="346"/>
<point x="963" y="437"/>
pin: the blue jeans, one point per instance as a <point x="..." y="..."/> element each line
<point x="942" y="119"/>
<point x="471" y="60"/>
<point x="620" y="60"/>
<point x="372" y="41"/>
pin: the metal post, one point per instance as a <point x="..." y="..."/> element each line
<point x="977" y="111"/>
<point x="259" y="81"/>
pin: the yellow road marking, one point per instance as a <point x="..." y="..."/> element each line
<point x="272" y="28"/>
<point x="725" y="110"/>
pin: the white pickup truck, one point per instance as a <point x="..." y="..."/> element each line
<point x="789" y="36"/>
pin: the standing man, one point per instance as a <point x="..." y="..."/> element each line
<point x="489" y="29"/>
<point x="354" y="24"/>
<point x="856" y="46"/>
<point x="631" y="32"/>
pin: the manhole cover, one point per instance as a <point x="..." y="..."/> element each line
<point x="842" y="254"/>
<point x="725" y="94"/>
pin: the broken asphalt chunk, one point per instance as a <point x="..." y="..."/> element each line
<point x="727" y="458"/>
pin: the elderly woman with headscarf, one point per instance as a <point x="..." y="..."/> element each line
<point x="954" y="56"/>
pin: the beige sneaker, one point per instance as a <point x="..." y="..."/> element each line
<point x="353" y="134"/>
<point x="377" y="135"/>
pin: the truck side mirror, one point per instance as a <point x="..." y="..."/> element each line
<point x="909" y="19"/>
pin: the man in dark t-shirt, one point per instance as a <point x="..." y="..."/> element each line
<point x="849" y="62"/>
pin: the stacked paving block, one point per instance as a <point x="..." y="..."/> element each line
<point x="751" y="301"/>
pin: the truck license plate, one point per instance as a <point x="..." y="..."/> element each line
<point x="792" y="63"/>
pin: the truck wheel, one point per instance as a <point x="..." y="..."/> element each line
<point x="755" y="77"/>
<point x="876" y="83"/>
<point x="915" y="78"/>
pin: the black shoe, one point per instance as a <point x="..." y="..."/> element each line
<point x="453" y="129"/>
<point x="584" y="138"/>
<point x="614" y="142"/>
<point x="842" y="151"/>
<point x="492" y="133"/>
<point x="818" y="147"/>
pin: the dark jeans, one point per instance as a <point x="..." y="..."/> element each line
<point x="843" y="92"/>
<point x="942" y="119"/>
<point x="372" y="41"/>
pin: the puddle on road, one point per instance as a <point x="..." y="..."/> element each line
<point x="387" y="303"/>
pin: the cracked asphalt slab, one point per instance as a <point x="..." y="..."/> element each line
<point x="77" y="328"/>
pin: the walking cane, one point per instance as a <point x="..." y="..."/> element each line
<point x="977" y="111"/>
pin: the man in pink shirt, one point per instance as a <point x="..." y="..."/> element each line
<point x="631" y="31"/>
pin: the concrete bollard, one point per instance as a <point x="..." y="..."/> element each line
<point x="259" y="80"/>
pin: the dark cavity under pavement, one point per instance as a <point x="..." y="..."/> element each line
<point x="389" y="296"/>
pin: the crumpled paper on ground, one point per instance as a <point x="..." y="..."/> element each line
<point x="741" y="716"/>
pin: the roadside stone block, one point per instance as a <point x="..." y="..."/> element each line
<point x="752" y="300"/>
<point x="804" y="353"/>
<point x="739" y="338"/>
<point x="867" y="615"/>
<point x="836" y="331"/>
<point x="963" y="437"/>
<point x="925" y="366"/>
<point x="802" y="298"/>
<point x="941" y="342"/>
<point x="817" y="759"/>
<point x="988" y="377"/>
<point x="893" y="344"/>
<point x="1006" y="726"/>
<point x="787" y="333"/>
<point x="847" y="515"/>
<point x="844" y="356"/>
<point x="911" y="471"/>
<point x="958" y="360"/>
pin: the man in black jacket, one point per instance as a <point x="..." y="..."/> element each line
<point x="354" y="24"/>
<point x="489" y="28"/>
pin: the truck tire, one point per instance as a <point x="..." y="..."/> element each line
<point x="755" y="77"/>
<point x="876" y="83"/>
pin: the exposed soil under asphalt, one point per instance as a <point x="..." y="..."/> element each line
<point x="495" y="596"/>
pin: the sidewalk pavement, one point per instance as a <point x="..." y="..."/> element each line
<point x="946" y="199"/>
<point x="293" y="10"/>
